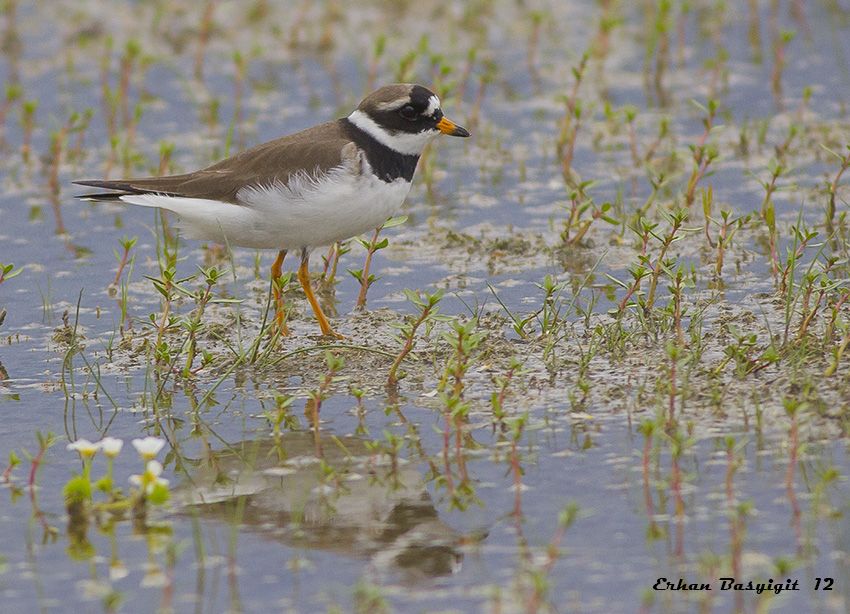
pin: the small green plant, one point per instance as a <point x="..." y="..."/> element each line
<point x="583" y="212"/>
<point x="127" y="245"/>
<point x="703" y="152"/>
<point x="832" y="186"/>
<point x="428" y="306"/>
<point x="150" y="487"/>
<point x="331" y="263"/>
<point x="371" y="246"/>
<point x="8" y="271"/>
<point x="28" y="109"/>
<point x="675" y="219"/>
<point x="194" y="323"/>
<point x="768" y="212"/>
<point x="727" y="226"/>
<point x="570" y="123"/>
<point x="780" y="43"/>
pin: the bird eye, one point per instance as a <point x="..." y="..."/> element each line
<point x="408" y="112"/>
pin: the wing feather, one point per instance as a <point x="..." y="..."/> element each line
<point x="312" y="151"/>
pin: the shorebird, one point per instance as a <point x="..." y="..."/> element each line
<point x="313" y="188"/>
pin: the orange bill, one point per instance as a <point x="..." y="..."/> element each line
<point x="447" y="126"/>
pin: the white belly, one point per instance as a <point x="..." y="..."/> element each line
<point x="304" y="213"/>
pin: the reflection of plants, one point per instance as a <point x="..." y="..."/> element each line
<point x="45" y="442"/>
<point x="14" y="461"/>
<point x="517" y="427"/>
<point x="314" y="403"/>
<point x="538" y="573"/>
<point x="281" y="415"/>
<point x="497" y="397"/>
<point x="464" y="339"/>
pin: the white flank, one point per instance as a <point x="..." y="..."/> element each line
<point x="407" y="143"/>
<point x="310" y="211"/>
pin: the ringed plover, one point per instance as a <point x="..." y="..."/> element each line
<point x="309" y="189"/>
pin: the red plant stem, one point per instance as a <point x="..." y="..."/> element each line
<point x="789" y="480"/>
<point x="676" y="486"/>
<point x="517" y="473"/>
<point x="446" y="462"/>
<point x="7" y="474"/>
<point x="364" y="280"/>
<point x="672" y="401"/>
<point x="34" y="465"/>
<point x="408" y="346"/>
<point x="730" y="472"/>
<point x="121" y="266"/>
<point x="461" y="462"/>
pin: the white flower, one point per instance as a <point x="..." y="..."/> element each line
<point x="150" y="478"/>
<point x="84" y="448"/>
<point x="111" y="446"/>
<point x="118" y="571"/>
<point x="148" y="447"/>
<point x="154" y="577"/>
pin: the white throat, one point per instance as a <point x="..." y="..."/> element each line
<point x="410" y="144"/>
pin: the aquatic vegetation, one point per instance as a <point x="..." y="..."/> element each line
<point x="363" y="276"/>
<point x="150" y="488"/>
<point x="149" y="447"/>
<point x="610" y="338"/>
<point x="8" y="271"/>
<point x="428" y="306"/>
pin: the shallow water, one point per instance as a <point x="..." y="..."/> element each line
<point x="253" y="525"/>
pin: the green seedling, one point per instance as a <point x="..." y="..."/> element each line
<point x="8" y="271"/>
<point x="372" y="246"/>
<point x="428" y="306"/>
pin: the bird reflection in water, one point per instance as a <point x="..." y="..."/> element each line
<point x="351" y="501"/>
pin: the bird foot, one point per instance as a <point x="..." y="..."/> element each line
<point x="332" y="334"/>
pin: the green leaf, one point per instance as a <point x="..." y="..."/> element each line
<point x="159" y="494"/>
<point x="395" y="221"/>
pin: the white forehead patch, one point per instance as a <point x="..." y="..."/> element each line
<point x="433" y="105"/>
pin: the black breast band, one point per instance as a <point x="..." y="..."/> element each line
<point x="387" y="163"/>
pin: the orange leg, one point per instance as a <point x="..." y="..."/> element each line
<point x="279" y="311"/>
<point x="304" y="278"/>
